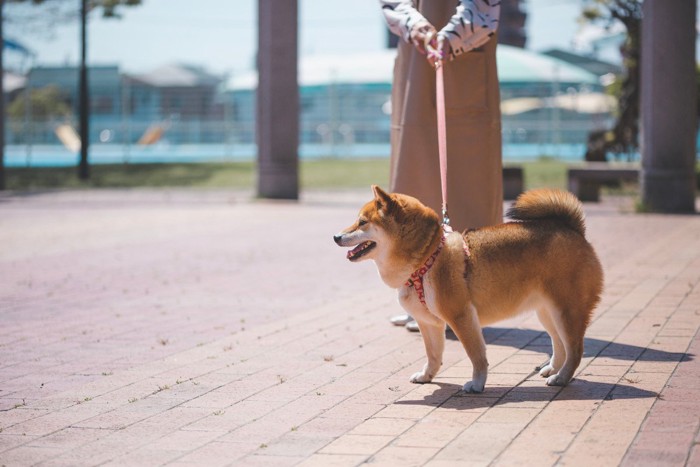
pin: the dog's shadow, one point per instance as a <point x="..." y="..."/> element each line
<point x="449" y="395"/>
<point x="522" y="338"/>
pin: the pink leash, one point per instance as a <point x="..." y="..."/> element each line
<point x="441" y="123"/>
<point x="416" y="279"/>
<point x="442" y="137"/>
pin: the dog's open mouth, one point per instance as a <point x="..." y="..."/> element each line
<point x="360" y="250"/>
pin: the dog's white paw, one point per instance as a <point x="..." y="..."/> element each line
<point x="421" y="377"/>
<point x="547" y="370"/>
<point x="473" y="387"/>
<point x="556" y="380"/>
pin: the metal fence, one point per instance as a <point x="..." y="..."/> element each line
<point x="132" y="124"/>
<point x="124" y="141"/>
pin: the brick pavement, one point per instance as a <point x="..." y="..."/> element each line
<point x="200" y="328"/>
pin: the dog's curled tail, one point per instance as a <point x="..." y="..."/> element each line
<point x="549" y="204"/>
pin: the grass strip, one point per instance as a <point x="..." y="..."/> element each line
<point x="320" y="173"/>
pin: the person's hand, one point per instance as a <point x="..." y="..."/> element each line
<point x="443" y="47"/>
<point x="419" y="33"/>
<point x="437" y="49"/>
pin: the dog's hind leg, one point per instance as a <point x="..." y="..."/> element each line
<point x="574" y="352"/>
<point x="571" y="327"/>
<point x="468" y="330"/>
<point x="544" y="314"/>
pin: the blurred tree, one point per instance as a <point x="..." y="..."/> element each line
<point x="46" y="103"/>
<point x="110" y="9"/>
<point x="623" y="138"/>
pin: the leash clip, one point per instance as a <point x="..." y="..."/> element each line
<point x="445" y="217"/>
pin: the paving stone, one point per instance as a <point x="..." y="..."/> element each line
<point x="177" y="327"/>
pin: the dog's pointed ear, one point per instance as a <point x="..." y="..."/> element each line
<point x="382" y="198"/>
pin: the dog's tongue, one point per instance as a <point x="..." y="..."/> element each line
<point x="351" y="254"/>
<point x="354" y="251"/>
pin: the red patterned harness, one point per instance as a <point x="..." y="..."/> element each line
<point x="416" y="279"/>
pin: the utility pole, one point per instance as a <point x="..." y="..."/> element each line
<point x="83" y="167"/>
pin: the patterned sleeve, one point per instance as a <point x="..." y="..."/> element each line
<point x="473" y="25"/>
<point x="401" y="16"/>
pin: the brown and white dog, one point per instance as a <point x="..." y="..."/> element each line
<point x="540" y="262"/>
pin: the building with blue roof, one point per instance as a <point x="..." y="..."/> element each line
<point x="346" y="100"/>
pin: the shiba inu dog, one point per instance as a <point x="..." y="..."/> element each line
<point x="541" y="262"/>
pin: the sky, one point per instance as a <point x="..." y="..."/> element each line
<point x="220" y="35"/>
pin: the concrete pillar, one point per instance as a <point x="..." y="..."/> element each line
<point x="668" y="105"/>
<point x="277" y="118"/>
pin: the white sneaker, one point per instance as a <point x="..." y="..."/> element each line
<point x="412" y="326"/>
<point x="400" y="320"/>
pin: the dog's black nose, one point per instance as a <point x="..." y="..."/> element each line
<point x="337" y="238"/>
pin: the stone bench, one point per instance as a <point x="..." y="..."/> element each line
<point x="512" y="182"/>
<point x="585" y="182"/>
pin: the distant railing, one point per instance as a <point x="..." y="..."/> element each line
<point x="132" y="141"/>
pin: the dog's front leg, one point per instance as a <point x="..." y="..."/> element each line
<point x="432" y="330"/>
<point x="434" y="341"/>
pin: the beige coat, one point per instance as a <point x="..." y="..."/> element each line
<point x="474" y="180"/>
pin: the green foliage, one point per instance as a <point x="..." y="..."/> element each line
<point x="592" y="10"/>
<point x="110" y="8"/>
<point x="608" y="11"/>
<point x="44" y="103"/>
<point x="623" y="137"/>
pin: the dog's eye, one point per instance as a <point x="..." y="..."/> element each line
<point x="361" y="222"/>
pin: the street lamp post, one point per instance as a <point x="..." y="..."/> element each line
<point x="83" y="167"/>
<point x="2" y="100"/>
